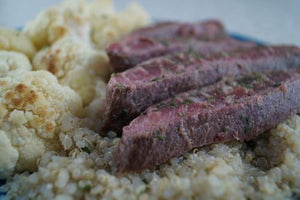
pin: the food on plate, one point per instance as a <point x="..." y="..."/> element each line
<point x="91" y="22"/>
<point x="70" y="18"/>
<point x="204" y="30"/>
<point x="12" y="61"/>
<point x="75" y="64"/>
<point x="130" y="53"/>
<point x="51" y="144"/>
<point x="95" y="108"/>
<point x="107" y="28"/>
<point x="33" y="107"/>
<point x="11" y="40"/>
<point x="130" y="92"/>
<point x="168" y="37"/>
<point x="262" y="168"/>
<point x="237" y="108"/>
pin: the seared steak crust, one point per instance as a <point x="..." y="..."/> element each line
<point x="127" y="54"/>
<point x="238" y="109"/>
<point x="208" y="30"/>
<point x="168" y="37"/>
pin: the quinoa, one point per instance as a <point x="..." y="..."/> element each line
<point x="267" y="168"/>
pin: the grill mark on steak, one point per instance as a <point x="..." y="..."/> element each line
<point x="207" y="118"/>
<point x="161" y="78"/>
<point x="168" y="37"/>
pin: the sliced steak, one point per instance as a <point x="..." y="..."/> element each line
<point x="206" y="30"/>
<point x="128" y="53"/>
<point x="229" y="110"/>
<point x="129" y="93"/>
<point x="164" y="38"/>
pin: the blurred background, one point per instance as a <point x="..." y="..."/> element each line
<point x="274" y="21"/>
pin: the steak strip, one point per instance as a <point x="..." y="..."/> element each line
<point x="128" y="53"/>
<point x="129" y="93"/>
<point x="206" y="30"/>
<point x="160" y="39"/>
<point x="229" y="110"/>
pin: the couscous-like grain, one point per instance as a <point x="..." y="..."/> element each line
<point x="267" y="168"/>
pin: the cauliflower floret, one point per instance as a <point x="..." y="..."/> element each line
<point x="108" y="28"/>
<point x="34" y="109"/>
<point x="96" y="21"/>
<point x="100" y="8"/>
<point x="11" y="40"/>
<point x="95" y="109"/>
<point x="8" y="156"/>
<point x="75" y="64"/>
<point x="10" y="61"/>
<point x="69" y="18"/>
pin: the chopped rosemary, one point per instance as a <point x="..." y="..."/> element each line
<point x="219" y="91"/>
<point x="145" y="180"/>
<point x="211" y="99"/>
<point x="245" y="118"/>
<point x="224" y="54"/>
<point x="167" y="68"/>
<point x="276" y="84"/>
<point x="86" y="149"/>
<point x="191" y="50"/>
<point x="120" y="85"/>
<point x="173" y="104"/>
<point x="246" y="129"/>
<point x="165" y="43"/>
<point x="187" y="101"/>
<point x="256" y="75"/>
<point x="225" y="129"/>
<point x="246" y="85"/>
<point x="193" y="95"/>
<point x="155" y="79"/>
<point x="87" y="188"/>
<point x="125" y="112"/>
<point x="160" y="105"/>
<point x="158" y="135"/>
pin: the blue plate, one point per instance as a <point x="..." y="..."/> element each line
<point x="232" y="35"/>
<point x="246" y="38"/>
<point x="1" y="183"/>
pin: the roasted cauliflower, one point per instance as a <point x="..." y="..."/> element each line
<point x="93" y="22"/>
<point x="70" y="18"/>
<point x="10" y="61"/>
<point x="11" y="40"/>
<point x="34" y="110"/>
<point x="94" y="110"/>
<point x="106" y="28"/>
<point x="75" y="64"/>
